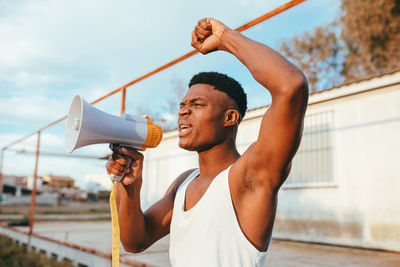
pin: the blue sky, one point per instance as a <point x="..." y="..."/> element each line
<point x="52" y="50"/>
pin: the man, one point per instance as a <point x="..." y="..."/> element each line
<point x="223" y="213"/>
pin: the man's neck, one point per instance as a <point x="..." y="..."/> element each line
<point x="217" y="159"/>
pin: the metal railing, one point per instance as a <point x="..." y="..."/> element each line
<point x="122" y="90"/>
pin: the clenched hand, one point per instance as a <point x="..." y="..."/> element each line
<point x="208" y="34"/>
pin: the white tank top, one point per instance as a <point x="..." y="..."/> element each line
<point x="208" y="235"/>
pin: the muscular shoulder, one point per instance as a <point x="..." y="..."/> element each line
<point x="247" y="175"/>
<point x="173" y="188"/>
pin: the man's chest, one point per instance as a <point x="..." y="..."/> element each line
<point x="195" y="191"/>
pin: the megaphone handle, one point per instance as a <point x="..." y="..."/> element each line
<point x="117" y="178"/>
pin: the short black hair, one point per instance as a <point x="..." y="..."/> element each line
<point x="223" y="83"/>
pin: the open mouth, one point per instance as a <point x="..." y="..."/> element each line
<point x="184" y="128"/>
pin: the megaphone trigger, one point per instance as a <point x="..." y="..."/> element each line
<point x="111" y="146"/>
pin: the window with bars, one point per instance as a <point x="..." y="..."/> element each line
<point x="313" y="162"/>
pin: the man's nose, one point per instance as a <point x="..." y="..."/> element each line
<point x="184" y="111"/>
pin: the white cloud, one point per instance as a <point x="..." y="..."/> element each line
<point x="48" y="142"/>
<point x="112" y="38"/>
<point x="95" y="182"/>
<point x="7" y="138"/>
<point x="51" y="50"/>
<point x="32" y="109"/>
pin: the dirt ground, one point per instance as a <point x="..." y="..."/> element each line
<point x="67" y="208"/>
<point x="288" y="254"/>
<point x="97" y="235"/>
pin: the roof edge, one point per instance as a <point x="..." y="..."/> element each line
<point x="371" y="83"/>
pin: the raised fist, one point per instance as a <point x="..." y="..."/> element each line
<point x="208" y="34"/>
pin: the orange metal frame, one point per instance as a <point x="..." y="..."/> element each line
<point x="123" y="97"/>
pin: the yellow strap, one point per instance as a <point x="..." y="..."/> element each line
<point x="115" y="228"/>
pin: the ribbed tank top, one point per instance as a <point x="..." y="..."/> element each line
<point x="209" y="235"/>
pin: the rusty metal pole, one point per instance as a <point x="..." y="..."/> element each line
<point x="250" y="24"/>
<point x="1" y="173"/>
<point x="33" y="201"/>
<point x="246" y="26"/>
<point x="123" y="97"/>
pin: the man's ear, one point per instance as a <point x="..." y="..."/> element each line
<point x="232" y="117"/>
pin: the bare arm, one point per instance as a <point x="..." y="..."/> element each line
<point x="138" y="229"/>
<point x="256" y="177"/>
<point x="281" y="126"/>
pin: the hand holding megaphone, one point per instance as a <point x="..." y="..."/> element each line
<point x="87" y="125"/>
<point x="126" y="163"/>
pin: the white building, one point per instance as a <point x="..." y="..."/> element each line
<point x="344" y="187"/>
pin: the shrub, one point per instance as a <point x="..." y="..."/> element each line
<point x="12" y="255"/>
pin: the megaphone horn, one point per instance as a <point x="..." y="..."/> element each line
<point x="87" y="125"/>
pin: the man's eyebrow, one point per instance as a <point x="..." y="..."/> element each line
<point x="193" y="100"/>
<point x="197" y="98"/>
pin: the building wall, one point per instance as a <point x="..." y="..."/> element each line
<point x="162" y="166"/>
<point x="344" y="186"/>
<point x="46" y="198"/>
<point x="361" y="207"/>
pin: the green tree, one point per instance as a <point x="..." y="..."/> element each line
<point x="371" y="32"/>
<point x="363" y="42"/>
<point x="318" y="54"/>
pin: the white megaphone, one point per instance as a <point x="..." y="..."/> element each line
<point x="87" y="125"/>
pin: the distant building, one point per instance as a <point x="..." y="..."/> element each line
<point x="51" y="183"/>
<point x="51" y="190"/>
<point x="64" y="186"/>
<point x="29" y="182"/>
<point x="17" y="190"/>
<point x="59" y="181"/>
<point x="15" y="180"/>
<point x="344" y="186"/>
<point x="15" y="185"/>
<point x="73" y="194"/>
